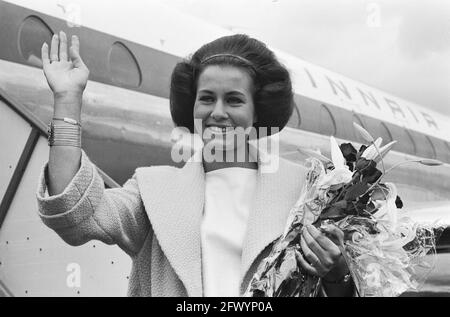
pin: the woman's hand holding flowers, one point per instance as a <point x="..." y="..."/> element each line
<point x="321" y="254"/>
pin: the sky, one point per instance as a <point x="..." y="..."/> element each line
<point x="400" y="46"/>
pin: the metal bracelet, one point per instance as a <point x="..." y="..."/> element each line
<point x="68" y="120"/>
<point x="64" y="135"/>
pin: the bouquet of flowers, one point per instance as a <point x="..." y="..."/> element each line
<point x="384" y="251"/>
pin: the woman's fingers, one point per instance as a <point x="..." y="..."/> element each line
<point x="304" y="263"/>
<point x="334" y="234"/>
<point x="313" y="259"/>
<point x="320" y="244"/>
<point x="75" y="53"/>
<point x="309" y="254"/>
<point x="314" y="246"/>
<point x="54" y="49"/>
<point x="44" y="55"/>
<point x="62" y="46"/>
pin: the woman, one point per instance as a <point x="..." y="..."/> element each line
<point x="203" y="229"/>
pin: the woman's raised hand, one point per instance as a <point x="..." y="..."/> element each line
<point x="65" y="71"/>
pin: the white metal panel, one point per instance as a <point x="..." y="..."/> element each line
<point x="14" y="132"/>
<point x="35" y="261"/>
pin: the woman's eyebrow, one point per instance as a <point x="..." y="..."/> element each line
<point x="235" y="92"/>
<point x="206" y="91"/>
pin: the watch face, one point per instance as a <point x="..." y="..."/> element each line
<point x="347" y="278"/>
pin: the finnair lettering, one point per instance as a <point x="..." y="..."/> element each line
<point x="395" y="108"/>
<point x="340" y="89"/>
<point x="429" y="120"/>
<point x="367" y="96"/>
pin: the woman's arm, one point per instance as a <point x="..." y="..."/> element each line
<point x="85" y="210"/>
<point x="78" y="207"/>
<point x="67" y="77"/>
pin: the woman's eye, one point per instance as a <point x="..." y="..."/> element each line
<point x="206" y="99"/>
<point x="234" y="100"/>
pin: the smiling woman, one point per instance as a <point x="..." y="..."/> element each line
<point x="202" y="229"/>
<point x="224" y="102"/>
<point x="271" y="84"/>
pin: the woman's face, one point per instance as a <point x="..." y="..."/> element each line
<point x="224" y="101"/>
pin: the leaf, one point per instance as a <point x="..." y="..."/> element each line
<point x="349" y="152"/>
<point x="355" y="191"/>
<point x="398" y="202"/>
<point x="333" y="212"/>
<point x="430" y="162"/>
<point x="366" y="167"/>
<point x="363" y="132"/>
<point x="373" y="176"/>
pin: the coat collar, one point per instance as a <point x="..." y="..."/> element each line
<point x="174" y="202"/>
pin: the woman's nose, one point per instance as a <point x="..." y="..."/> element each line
<point x="219" y="111"/>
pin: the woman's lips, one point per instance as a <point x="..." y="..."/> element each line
<point x="221" y="130"/>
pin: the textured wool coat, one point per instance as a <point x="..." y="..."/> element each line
<point x="155" y="218"/>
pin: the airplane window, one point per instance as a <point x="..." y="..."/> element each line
<point x="440" y="145"/>
<point x="433" y="153"/>
<point x="424" y="146"/>
<point x="447" y="149"/>
<point x="385" y="134"/>
<point x="411" y="140"/>
<point x="123" y="66"/>
<point x="327" y="123"/>
<point x="32" y="34"/>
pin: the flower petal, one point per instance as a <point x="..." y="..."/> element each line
<point x="364" y="133"/>
<point x="336" y="154"/>
<point x="311" y="153"/>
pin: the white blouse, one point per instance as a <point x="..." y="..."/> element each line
<point x="229" y="194"/>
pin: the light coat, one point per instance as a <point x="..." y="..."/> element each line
<point x="155" y="218"/>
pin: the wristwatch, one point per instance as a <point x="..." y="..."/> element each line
<point x="51" y="133"/>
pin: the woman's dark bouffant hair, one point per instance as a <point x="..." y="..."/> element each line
<point x="273" y="97"/>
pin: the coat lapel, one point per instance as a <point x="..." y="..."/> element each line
<point x="276" y="194"/>
<point x="174" y="199"/>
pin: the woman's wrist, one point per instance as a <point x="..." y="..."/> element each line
<point x="341" y="280"/>
<point x="343" y="289"/>
<point x="68" y="104"/>
<point x="69" y="95"/>
<point x="339" y="274"/>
